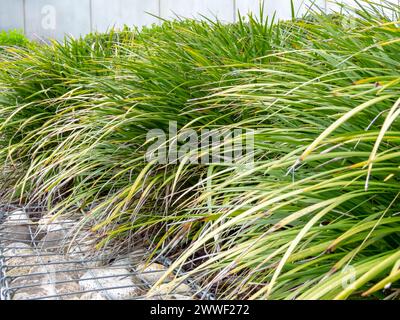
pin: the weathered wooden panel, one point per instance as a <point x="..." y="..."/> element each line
<point x="222" y="9"/>
<point x="55" y="18"/>
<point x="11" y="14"/>
<point x="117" y="13"/>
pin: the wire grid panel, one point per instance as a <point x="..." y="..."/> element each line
<point x="44" y="259"/>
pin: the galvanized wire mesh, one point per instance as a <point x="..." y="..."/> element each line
<point x="46" y="259"/>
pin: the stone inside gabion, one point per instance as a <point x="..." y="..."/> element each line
<point x="45" y="260"/>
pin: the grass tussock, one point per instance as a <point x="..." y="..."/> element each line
<point x="315" y="217"/>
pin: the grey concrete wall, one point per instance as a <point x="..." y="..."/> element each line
<point x="117" y="13"/>
<point x="11" y="14"/>
<point x="52" y="19"/>
<point x="55" y="18"/>
<point x="223" y="9"/>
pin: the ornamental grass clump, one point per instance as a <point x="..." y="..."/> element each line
<point x="13" y="38"/>
<point x="315" y="215"/>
